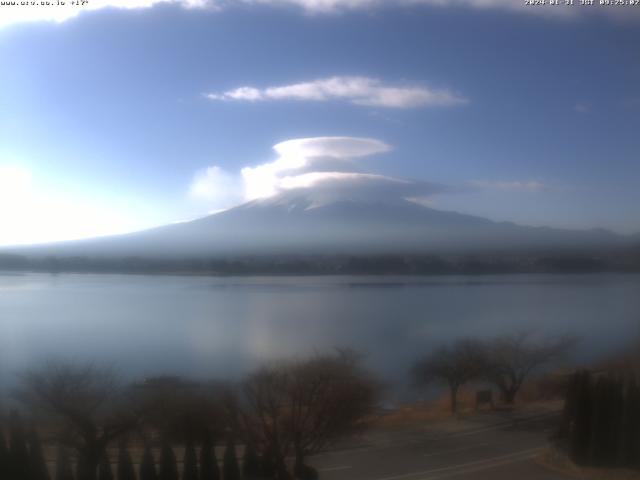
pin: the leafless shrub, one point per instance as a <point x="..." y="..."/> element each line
<point x="452" y="365"/>
<point x="303" y="407"/>
<point x="84" y="402"/>
<point x="510" y="359"/>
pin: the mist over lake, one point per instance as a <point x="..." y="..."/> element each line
<point x="221" y="327"/>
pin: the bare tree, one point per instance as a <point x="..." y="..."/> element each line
<point x="306" y="406"/>
<point x="178" y="408"/>
<point x="265" y="411"/>
<point x="452" y="365"/>
<point x="510" y="359"/>
<point x="83" y="400"/>
<point x="329" y="398"/>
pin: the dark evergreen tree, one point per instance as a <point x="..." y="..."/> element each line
<point x="209" y="469"/>
<point x="148" y="465"/>
<point x="125" y="464"/>
<point x="603" y="420"/>
<point x="230" y="468"/>
<point x="190" y="462"/>
<point x="250" y="462"/>
<point x="268" y="467"/>
<point x="580" y="423"/>
<point x="37" y="464"/>
<point x="105" y="471"/>
<point x="168" y="467"/>
<point x="282" y="473"/>
<point x="617" y="409"/>
<point x="600" y="445"/>
<point x="570" y="405"/>
<point x="4" y="456"/>
<point x="85" y="470"/>
<point x="63" y="465"/>
<point x="18" y="452"/>
<point x="627" y="432"/>
<point x="633" y="397"/>
<point x="306" y="472"/>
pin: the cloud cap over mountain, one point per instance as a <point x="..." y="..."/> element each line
<point x="326" y="169"/>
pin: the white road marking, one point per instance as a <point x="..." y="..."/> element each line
<point x="483" y="467"/>
<point x="470" y="466"/>
<point x="417" y="441"/>
<point x="349" y="451"/>
<point x="334" y="469"/>
<point x="500" y="426"/>
<point x="454" y="450"/>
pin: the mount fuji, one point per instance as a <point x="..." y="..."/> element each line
<point x="297" y="222"/>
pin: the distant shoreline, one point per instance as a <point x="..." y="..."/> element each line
<point x="331" y="265"/>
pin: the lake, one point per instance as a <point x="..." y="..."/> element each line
<point x="212" y="327"/>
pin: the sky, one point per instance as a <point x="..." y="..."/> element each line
<point x="121" y="115"/>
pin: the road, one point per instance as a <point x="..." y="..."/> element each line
<point x="491" y="447"/>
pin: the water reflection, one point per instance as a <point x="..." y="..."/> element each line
<point x="222" y="327"/>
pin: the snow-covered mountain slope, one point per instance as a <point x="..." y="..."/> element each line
<point x="296" y="222"/>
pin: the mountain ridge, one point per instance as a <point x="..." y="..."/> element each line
<point x="295" y="222"/>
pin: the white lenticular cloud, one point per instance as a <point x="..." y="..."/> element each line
<point x="298" y="157"/>
<point x="356" y="90"/>
<point x="336" y="147"/>
<point x="333" y="186"/>
<point x="324" y="169"/>
<point x="511" y="186"/>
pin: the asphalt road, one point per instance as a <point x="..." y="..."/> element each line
<point x="493" y="448"/>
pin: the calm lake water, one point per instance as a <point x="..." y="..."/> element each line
<point x="221" y="327"/>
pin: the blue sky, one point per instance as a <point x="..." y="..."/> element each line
<point x="116" y="119"/>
